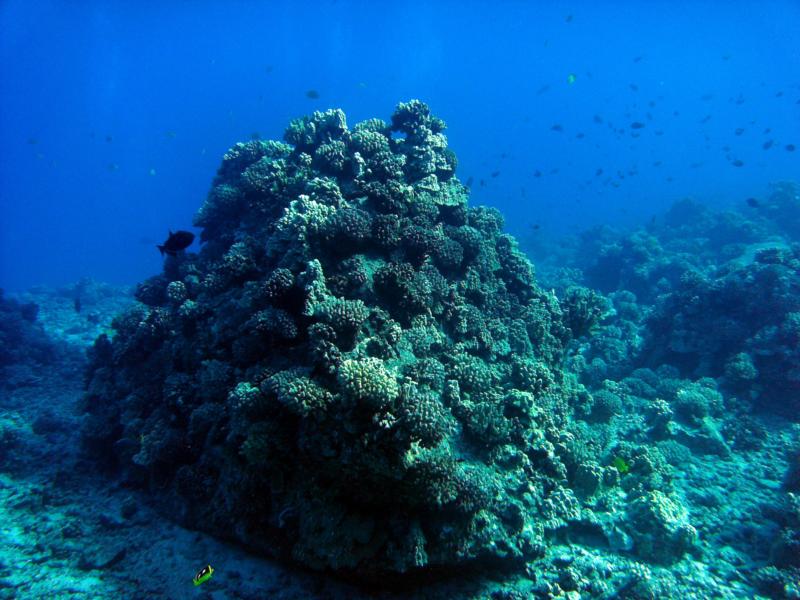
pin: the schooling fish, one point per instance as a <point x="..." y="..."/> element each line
<point x="180" y="240"/>
<point x="753" y="202"/>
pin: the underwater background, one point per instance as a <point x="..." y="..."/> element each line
<point x="352" y="382"/>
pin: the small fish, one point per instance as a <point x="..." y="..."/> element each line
<point x="77" y="304"/>
<point x="152" y="172"/>
<point x="312" y="94"/>
<point x="535" y="226"/>
<point x="637" y="59"/>
<point x="113" y="167"/>
<point x="707" y="97"/>
<point x="779" y="94"/>
<point x="637" y="125"/>
<point x="542" y="89"/>
<point x="170" y="134"/>
<point x="494" y="174"/>
<point x="705" y="119"/>
<point x="469" y="182"/>
<point x="633" y="87"/>
<point x="33" y="141"/>
<point x="789" y="147"/>
<point x="738" y="131"/>
<point x="571" y="78"/>
<point x="767" y="130"/>
<point x="203" y="575"/>
<point x="568" y="18"/>
<point x="109" y="139"/>
<point x="753" y="202"/>
<point x="768" y="144"/>
<point x="738" y="163"/>
<point x="580" y="135"/>
<point x="482" y="183"/>
<point x="659" y="132"/>
<point x="176" y="242"/>
<point x="537" y="173"/>
<point x="597" y="119"/>
<point x="556" y="127"/>
<point x="598" y="172"/>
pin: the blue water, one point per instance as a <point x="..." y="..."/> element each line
<point x="115" y="115"/>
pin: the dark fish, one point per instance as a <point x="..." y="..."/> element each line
<point x="557" y="127"/>
<point x="779" y="94"/>
<point x="659" y="132"/>
<point x="705" y="119"/>
<point x="469" y="182"/>
<point x="554" y="171"/>
<point x="633" y="87"/>
<point x="495" y="174"/>
<point x="706" y="97"/>
<point x="738" y="163"/>
<point x="535" y="226"/>
<point x="109" y="139"/>
<point x="33" y="141"/>
<point x="180" y="240"/>
<point x="542" y="89"/>
<point x="77" y="304"/>
<point x="537" y="173"/>
<point x="568" y="18"/>
<point x="482" y="183"/>
<point x="753" y="202"/>
<point x="598" y="119"/>
<point x="637" y="125"/>
<point x="637" y="59"/>
<point x="768" y="144"/>
<point x="767" y="130"/>
<point x="739" y="130"/>
<point x="312" y="94"/>
<point x="580" y="135"/>
<point x="598" y="172"/>
<point x="790" y="147"/>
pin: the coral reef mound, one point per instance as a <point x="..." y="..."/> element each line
<point x="357" y="371"/>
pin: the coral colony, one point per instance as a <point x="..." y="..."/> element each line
<point x="358" y="370"/>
